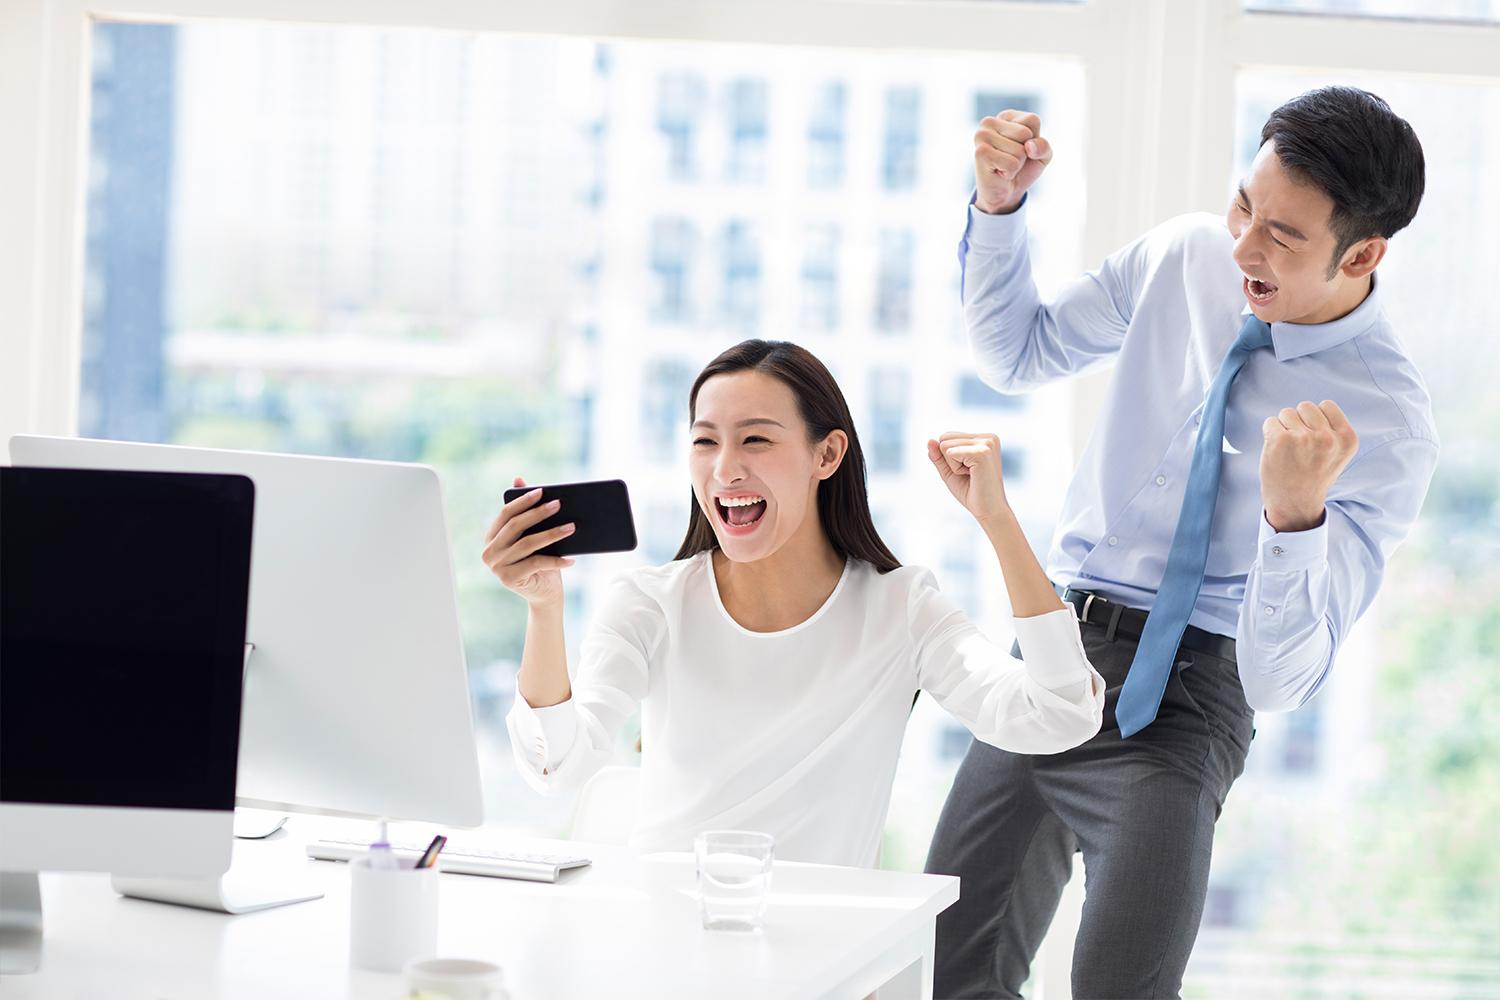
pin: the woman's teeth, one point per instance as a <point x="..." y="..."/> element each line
<point x="741" y="511"/>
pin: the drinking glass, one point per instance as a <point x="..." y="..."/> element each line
<point x="734" y="875"/>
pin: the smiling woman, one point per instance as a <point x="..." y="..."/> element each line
<point x="784" y="603"/>
<point x="827" y="466"/>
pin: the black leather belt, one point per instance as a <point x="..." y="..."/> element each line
<point x="1118" y="620"/>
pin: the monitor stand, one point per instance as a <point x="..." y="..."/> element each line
<point x="256" y="880"/>
<point x="20" y="923"/>
<point x="250" y="884"/>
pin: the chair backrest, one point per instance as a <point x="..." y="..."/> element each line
<point x="607" y="805"/>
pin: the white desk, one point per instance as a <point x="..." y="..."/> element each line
<point x="624" y="927"/>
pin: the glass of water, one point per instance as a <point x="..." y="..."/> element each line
<point x="734" y="875"/>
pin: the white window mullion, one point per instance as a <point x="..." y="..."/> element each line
<point x="22" y="113"/>
<point x="1160" y="131"/>
<point x="46" y="384"/>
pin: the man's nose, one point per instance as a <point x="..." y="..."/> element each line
<point x="1246" y="251"/>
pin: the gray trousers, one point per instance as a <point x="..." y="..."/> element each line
<point x="1141" y="810"/>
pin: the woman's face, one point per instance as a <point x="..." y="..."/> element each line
<point x="755" y="474"/>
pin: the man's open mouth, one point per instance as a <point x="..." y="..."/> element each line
<point x="740" y="512"/>
<point x="1258" y="291"/>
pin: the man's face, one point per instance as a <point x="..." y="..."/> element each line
<point x="1284" y="246"/>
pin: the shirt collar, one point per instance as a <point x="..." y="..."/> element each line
<point x="1296" y="340"/>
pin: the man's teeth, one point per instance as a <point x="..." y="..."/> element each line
<point x="740" y="501"/>
<point x="1258" y="286"/>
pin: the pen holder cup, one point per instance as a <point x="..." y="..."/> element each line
<point x="393" y="915"/>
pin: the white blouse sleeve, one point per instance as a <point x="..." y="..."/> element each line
<point x="559" y="747"/>
<point x="1052" y="702"/>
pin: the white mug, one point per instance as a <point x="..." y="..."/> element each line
<point x="456" y="978"/>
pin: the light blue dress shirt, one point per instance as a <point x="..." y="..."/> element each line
<point x="1165" y="309"/>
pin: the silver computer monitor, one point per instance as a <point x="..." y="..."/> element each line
<point x="122" y="627"/>
<point x="356" y="697"/>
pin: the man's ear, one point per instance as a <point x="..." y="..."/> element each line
<point x="1362" y="257"/>
<point x="830" y="453"/>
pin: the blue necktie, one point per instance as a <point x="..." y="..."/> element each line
<point x="1156" y="652"/>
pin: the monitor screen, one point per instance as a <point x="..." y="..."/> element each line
<point x="122" y="626"/>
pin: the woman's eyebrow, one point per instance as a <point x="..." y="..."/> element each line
<point x="743" y="423"/>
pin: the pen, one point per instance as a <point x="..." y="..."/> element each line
<point x="429" y="856"/>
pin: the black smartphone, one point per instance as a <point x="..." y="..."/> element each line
<point x="600" y="512"/>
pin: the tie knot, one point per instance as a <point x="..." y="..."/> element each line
<point x="1255" y="334"/>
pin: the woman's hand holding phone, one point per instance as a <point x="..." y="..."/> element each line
<point x="511" y="555"/>
<point x="970" y="467"/>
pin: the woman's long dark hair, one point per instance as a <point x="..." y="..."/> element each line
<point x="843" y="504"/>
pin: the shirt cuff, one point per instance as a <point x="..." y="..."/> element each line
<point x="1292" y="551"/>
<point x="996" y="232"/>
<point x="546" y="734"/>
<point x="1052" y="649"/>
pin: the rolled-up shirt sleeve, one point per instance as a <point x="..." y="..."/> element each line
<point x="1306" y="589"/>
<point x="559" y="747"/>
<point x="1052" y="702"/>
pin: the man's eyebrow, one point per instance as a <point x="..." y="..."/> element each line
<point x="743" y="423"/>
<point x="1291" y="231"/>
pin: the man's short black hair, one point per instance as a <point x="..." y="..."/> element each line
<point x="1350" y="144"/>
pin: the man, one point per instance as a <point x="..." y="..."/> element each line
<point x="1222" y="532"/>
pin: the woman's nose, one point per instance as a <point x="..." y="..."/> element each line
<point x="728" y="468"/>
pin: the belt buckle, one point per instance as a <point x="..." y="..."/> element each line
<point x="1083" y="616"/>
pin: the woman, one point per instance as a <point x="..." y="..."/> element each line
<point x="775" y="660"/>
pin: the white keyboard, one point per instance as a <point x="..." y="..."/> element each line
<point x="460" y="856"/>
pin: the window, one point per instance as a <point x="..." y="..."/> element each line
<point x="124" y="384"/>
<point x="665" y="392"/>
<point x="889" y="390"/>
<point x="747" y="130"/>
<point x="679" y="107"/>
<point x="499" y="276"/>
<point x="894" y="282"/>
<point x="903" y="135"/>
<point x="673" y="242"/>
<point x="825" y="136"/>
<point x="820" y="277"/>
<point x="742" y="291"/>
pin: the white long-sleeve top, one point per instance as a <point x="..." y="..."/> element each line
<point x="794" y="733"/>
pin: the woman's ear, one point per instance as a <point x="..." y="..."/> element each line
<point x="830" y="453"/>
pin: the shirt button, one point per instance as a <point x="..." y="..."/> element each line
<point x="1161" y="480"/>
<point x="1114" y="540"/>
<point x="1276" y="550"/>
<point x="1270" y="610"/>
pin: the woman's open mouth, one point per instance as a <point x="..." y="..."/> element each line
<point x="740" y="514"/>
<point x="1259" y="292"/>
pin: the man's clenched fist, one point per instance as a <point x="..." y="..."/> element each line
<point x="1306" y="449"/>
<point x="1009" y="155"/>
